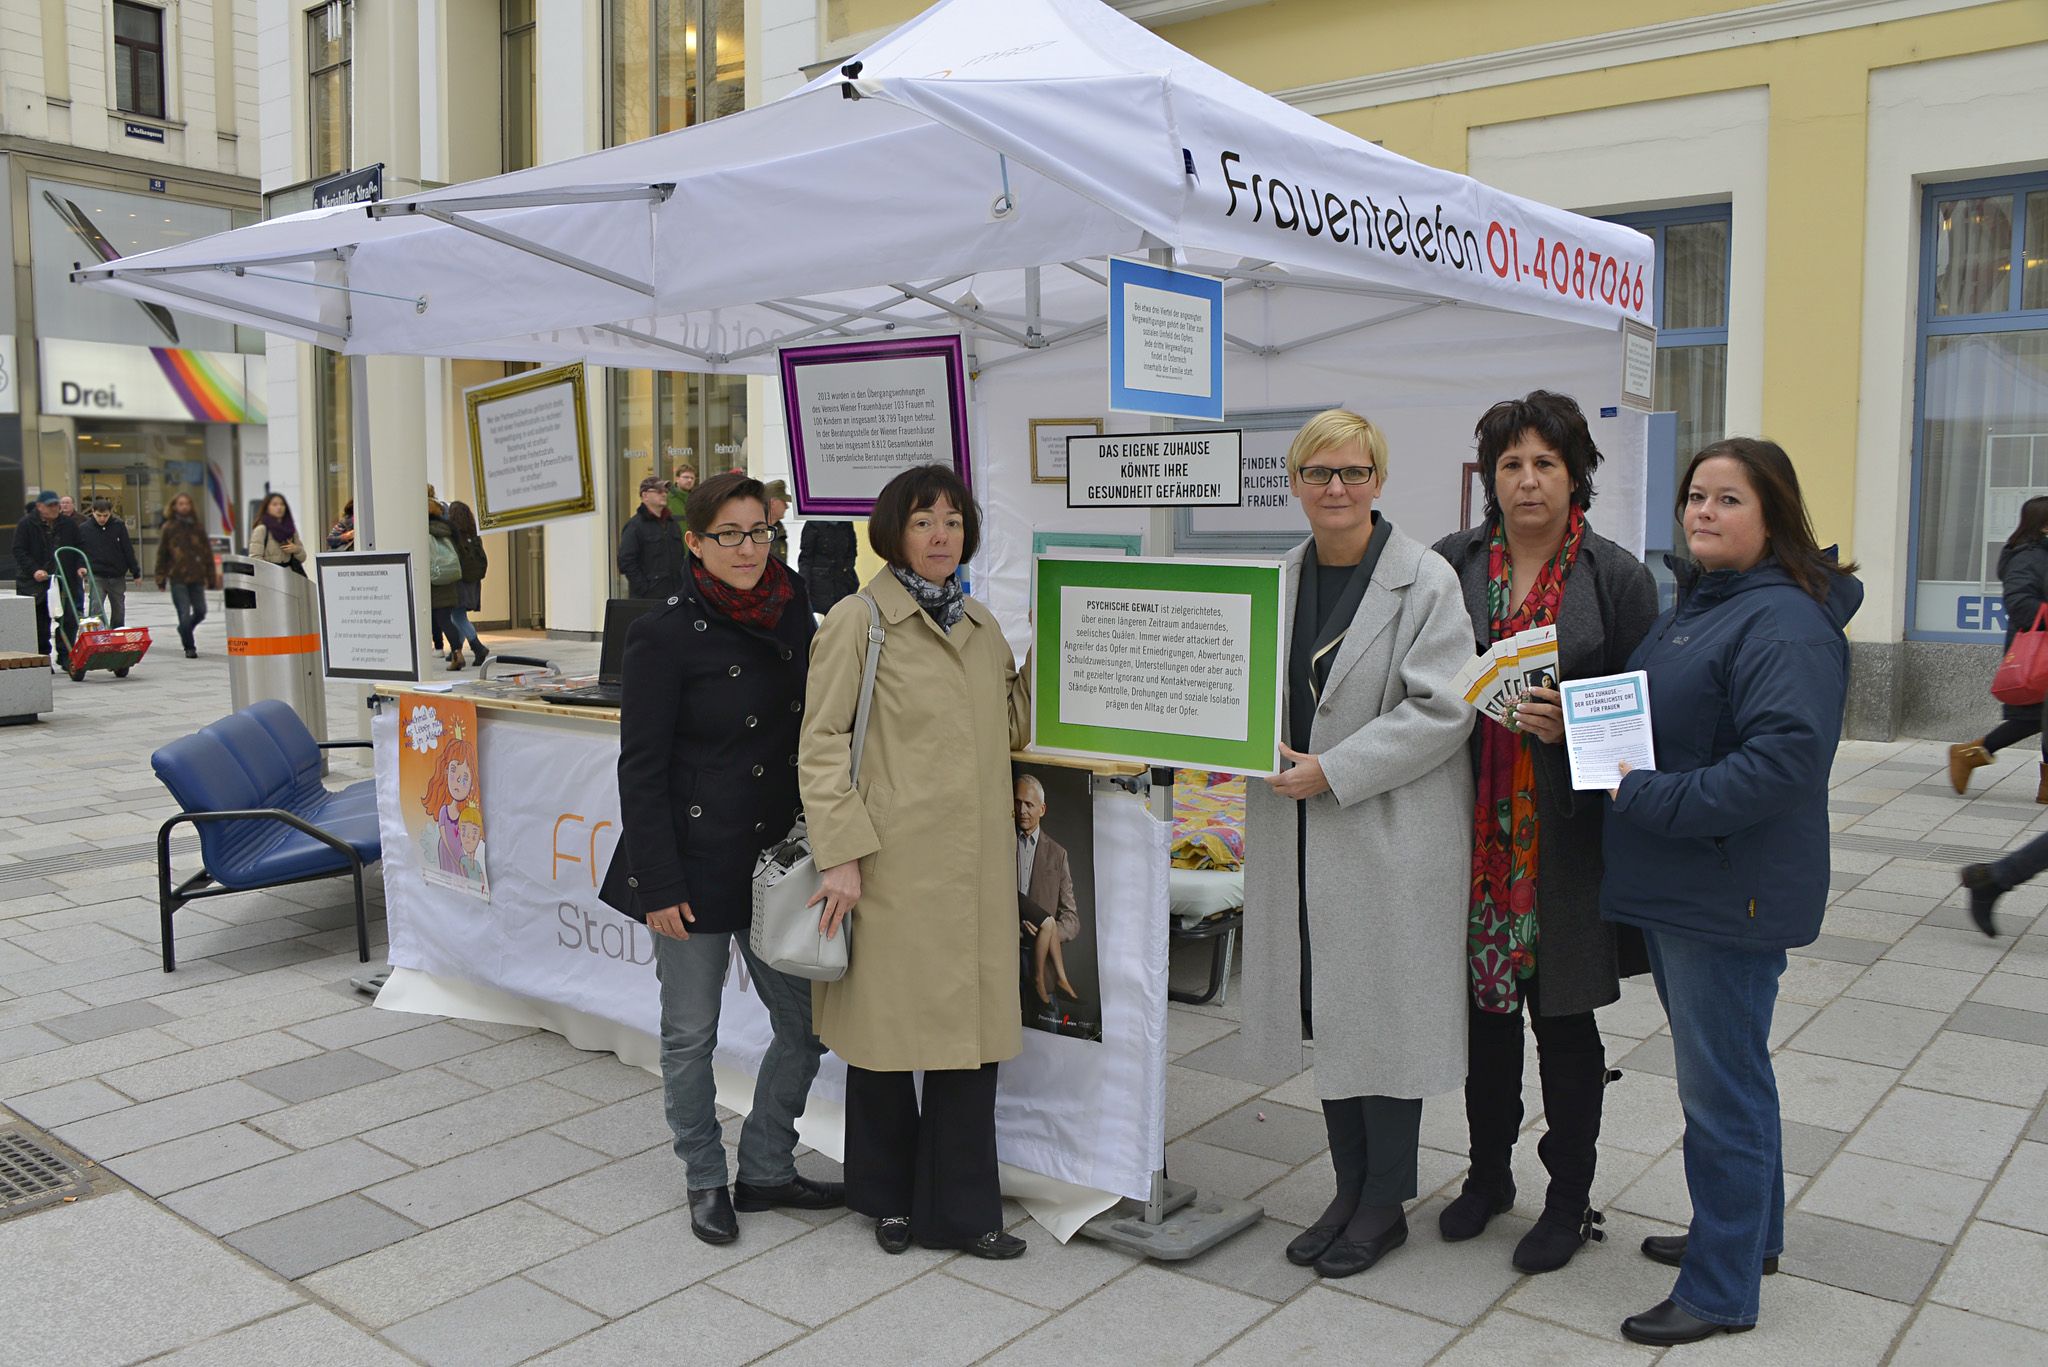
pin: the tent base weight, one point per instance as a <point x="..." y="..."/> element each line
<point x="1188" y="1224"/>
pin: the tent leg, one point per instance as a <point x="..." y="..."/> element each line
<point x="359" y="433"/>
<point x="1175" y="1224"/>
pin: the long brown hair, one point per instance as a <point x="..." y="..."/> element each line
<point x="1787" y="527"/>
<point x="2033" y="523"/>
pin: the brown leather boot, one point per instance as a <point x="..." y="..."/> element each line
<point x="1961" y="760"/>
<point x="2041" y="789"/>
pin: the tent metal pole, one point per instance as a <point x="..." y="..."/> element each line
<point x="117" y="272"/>
<point x="335" y="340"/>
<point x="786" y="311"/>
<point x="1033" y="328"/>
<point x="967" y="316"/>
<point x="359" y="439"/>
<point x="520" y="244"/>
<point x="650" y="339"/>
<point x="1396" y="316"/>
<point x="524" y="199"/>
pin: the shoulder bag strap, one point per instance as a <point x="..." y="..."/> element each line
<point x="867" y="681"/>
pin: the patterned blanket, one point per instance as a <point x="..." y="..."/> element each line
<point x="1208" y="820"/>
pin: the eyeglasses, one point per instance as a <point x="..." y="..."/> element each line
<point x="1350" y="474"/>
<point x="760" y="536"/>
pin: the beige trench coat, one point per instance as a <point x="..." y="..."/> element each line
<point x="932" y="981"/>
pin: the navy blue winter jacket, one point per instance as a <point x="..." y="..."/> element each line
<point x="1728" y="839"/>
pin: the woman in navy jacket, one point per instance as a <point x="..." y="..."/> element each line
<point x="1720" y="855"/>
<point x="713" y="693"/>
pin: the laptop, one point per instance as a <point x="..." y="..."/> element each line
<point x="619" y="616"/>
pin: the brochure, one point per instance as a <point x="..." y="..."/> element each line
<point x="1515" y="664"/>
<point x="1607" y="722"/>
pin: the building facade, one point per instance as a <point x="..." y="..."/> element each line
<point x="125" y="127"/>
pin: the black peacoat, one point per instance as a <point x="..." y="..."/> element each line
<point x="707" y="756"/>
<point x="1610" y="602"/>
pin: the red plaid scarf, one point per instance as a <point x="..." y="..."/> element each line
<point x="760" y="606"/>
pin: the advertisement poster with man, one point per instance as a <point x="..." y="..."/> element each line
<point x="1056" y="952"/>
<point x="441" y="791"/>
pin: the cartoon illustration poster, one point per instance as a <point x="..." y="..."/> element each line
<point x="441" y="790"/>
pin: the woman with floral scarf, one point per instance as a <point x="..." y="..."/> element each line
<point x="1535" y="937"/>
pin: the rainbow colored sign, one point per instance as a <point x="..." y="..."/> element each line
<point x="104" y="380"/>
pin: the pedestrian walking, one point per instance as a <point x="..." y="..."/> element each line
<point x="2023" y="580"/>
<point x="1720" y="855"/>
<point x="342" y="535"/>
<point x="469" y="594"/>
<point x="1357" y="943"/>
<point x="713" y="688"/>
<point x="1535" y="936"/>
<point x="651" y="545"/>
<point x="276" y="536"/>
<point x="184" y="562"/>
<point x="827" y="555"/>
<point x="42" y="529"/>
<point x="104" y="539"/>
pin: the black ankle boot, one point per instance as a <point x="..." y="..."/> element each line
<point x="1555" y="1237"/>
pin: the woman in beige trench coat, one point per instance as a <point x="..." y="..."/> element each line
<point x="923" y="857"/>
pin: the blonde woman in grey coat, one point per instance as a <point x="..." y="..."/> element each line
<point x="1356" y="897"/>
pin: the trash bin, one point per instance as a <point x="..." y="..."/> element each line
<point x="273" y="639"/>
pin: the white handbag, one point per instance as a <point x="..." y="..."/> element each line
<point x="785" y="933"/>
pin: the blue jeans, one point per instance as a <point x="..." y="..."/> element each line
<point x="692" y="974"/>
<point x="1719" y="1000"/>
<point x="458" y="618"/>
<point x="190" y="601"/>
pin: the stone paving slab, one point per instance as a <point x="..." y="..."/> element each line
<point x="377" y="1187"/>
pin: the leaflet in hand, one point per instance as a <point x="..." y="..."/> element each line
<point x="1606" y="722"/>
<point x="1514" y="665"/>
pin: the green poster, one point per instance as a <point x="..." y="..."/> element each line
<point x="1165" y="661"/>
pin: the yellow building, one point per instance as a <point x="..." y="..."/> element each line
<point x="1850" y="201"/>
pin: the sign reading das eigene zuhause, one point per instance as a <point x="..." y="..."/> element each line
<point x="1156" y="470"/>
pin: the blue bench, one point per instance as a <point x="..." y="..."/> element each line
<point x="250" y="783"/>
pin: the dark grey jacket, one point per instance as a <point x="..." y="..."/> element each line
<point x="2023" y="577"/>
<point x="1610" y="602"/>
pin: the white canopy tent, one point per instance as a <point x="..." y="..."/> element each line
<point x="969" y="174"/>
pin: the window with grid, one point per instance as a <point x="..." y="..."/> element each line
<point x="518" y="92"/>
<point x="1980" y="439"/>
<point x="138" y="59"/>
<point x="330" y="37"/>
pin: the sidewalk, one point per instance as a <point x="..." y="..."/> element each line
<point x="284" y="1174"/>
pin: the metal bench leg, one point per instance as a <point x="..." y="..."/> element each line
<point x="165" y="905"/>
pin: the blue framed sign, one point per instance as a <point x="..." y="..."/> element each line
<point x="1165" y="342"/>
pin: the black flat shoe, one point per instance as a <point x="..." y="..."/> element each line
<point x="995" y="1246"/>
<point x="711" y="1217"/>
<point x="1312" y="1243"/>
<point x="1349" y="1257"/>
<point x="1669" y="1249"/>
<point x="798" y="1193"/>
<point x="892" y="1232"/>
<point x="1668" y="1325"/>
<point x="1468" y="1215"/>
<point x="1982" y="881"/>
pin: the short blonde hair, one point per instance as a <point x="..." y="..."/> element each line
<point x="1337" y="427"/>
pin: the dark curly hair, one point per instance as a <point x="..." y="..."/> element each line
<point x="1555" y="420"/>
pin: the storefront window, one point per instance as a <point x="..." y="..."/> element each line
<point x="673" y="63"/>
<point x="518" y="98"/>
<point x="334" y="436"/>
<point x="1690" y="309"/>
<point x="138" y="59"/>
<point x="140" y="467"/>
<point x="1981" y="444"/>
<point x="329" y="44"/>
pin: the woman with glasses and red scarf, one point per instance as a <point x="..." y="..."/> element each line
<point x="1535" y="940"/>
<point x="712" y="697"/>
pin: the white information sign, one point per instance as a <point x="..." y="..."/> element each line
<point x="1156" y="470"/>
<point x="1197" y="646"/>
<point x="860" y="413"/>
<point x="1165" y="341"/>
<point x="367" y="621"/>
<point x="1638" y="365"/>
<point x="530" y="448"/>
<point x="1268" y="504"/>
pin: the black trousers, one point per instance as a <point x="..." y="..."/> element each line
<point x="1373" y="1145"/>
<point x="1572" y="1061"/>
<point x="2009" y="732"/>
<point x="937" y="1164"/>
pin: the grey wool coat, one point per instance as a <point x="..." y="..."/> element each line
<point x="1389" y="849"/>
<point x="1609" y="604"/>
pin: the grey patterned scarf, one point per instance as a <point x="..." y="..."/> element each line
<point x="946" y="603"/>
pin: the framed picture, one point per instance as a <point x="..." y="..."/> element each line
<point x="529" y="448"/>
<point x="861" y="413"/>
<point x="1106" y="544"/>
<point x="1472" y="503"/>
<point x="1049" y="445"/>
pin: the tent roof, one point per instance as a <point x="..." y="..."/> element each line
<point x="984" y="138"/>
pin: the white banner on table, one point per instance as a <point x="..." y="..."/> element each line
<point x="1092" y="1114"/>
<point x="368" y="628"/>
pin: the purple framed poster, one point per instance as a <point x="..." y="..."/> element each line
<point x="861" y="412"/>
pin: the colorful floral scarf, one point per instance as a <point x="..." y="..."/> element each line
<point x="759" y="607"/>
<point x="946" y="603"/>
<point x="1501" y="941"/>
